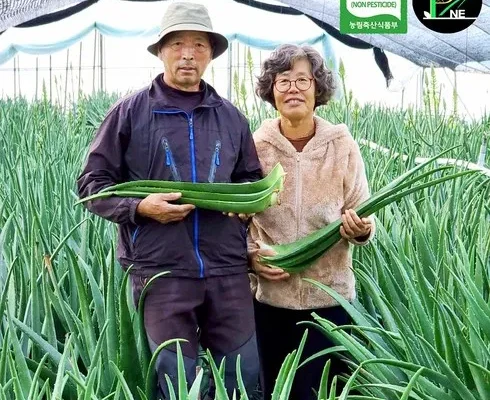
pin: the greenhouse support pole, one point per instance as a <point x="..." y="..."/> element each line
<point x="455" y="94"/>
<point x="50" y="79"/>
<point x="245" y="63"/>
<point x="66" y="77"/>
<point x="72" y="85"/>
<point x="37" y="77"/>
<point x="237" y="71"/>
<point x="80" y="71"/>
<point x="18" y="76"/>
<point x="101" y="57"/>
<point x="230" y="58"/>
<point x="95" y="59"/>
<point x="15" y="77"/>
<point x="419" y="104"/>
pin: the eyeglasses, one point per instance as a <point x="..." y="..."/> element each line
<point x="283" y="85"/>
<point x="198" y="47"/>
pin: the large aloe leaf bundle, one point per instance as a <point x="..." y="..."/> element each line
<point x="246" y="198"/>
<point x="297" y="256"/>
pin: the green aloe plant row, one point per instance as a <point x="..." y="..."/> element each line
<point x="67" y="323"/>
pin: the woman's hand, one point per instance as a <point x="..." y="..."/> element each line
<point x="243" y="217"/>
<point x="354" y="227"/>
<point x="269" y="273"/>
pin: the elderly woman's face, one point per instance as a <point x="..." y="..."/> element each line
<point x="298" y="101"/>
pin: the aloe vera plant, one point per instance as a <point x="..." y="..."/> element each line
<point x="249" y="197"/>
<point x="297" y="256"/>
<point x="425" y="275"/>
<point x="218" y="187"/>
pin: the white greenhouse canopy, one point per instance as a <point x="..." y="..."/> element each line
<point x="45" y="26"/>
<point x="118" y="18"/>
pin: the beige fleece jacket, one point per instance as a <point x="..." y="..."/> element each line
<point x="322" y="181"/>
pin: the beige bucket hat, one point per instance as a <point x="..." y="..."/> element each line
<point x="189" y="17"/>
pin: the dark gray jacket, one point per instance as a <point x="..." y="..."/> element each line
<point x="144" y="137"/>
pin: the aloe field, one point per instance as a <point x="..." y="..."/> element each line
<point x="421" y="330"/>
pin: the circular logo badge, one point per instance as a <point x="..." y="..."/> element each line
<point x="447" y="16"/>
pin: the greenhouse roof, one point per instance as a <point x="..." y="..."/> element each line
<point x="468" y="49"/>
<point x="465" y="50"/>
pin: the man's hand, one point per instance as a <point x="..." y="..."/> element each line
<point x="157" y="207"/>
<point x="269" y="273"/>
<point x="353" y="226"/>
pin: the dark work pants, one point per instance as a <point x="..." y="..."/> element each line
<point x="222" y="309"/>
<point x="278" y="335"/>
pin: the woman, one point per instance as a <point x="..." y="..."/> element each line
<point x="325" y="180"/>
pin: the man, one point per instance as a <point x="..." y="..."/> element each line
<point x="181" y="129"/>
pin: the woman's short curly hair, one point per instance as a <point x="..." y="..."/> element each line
<point x="282" y="59"/>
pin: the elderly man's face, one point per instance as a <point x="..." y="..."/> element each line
<point x="297" y="102"/>
<point x="185" y="56"/>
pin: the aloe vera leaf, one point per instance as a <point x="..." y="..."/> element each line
<point x="392" y="188"/>
<point x="145" y="350"/>
<point x="249" y="207"/>
<point x="190" y="196"/>
<point x="149" y="380"/>
<point x="299" y="255"/>
<point x="128" y="350"/>
<point x="230" y="188"/>
<point x="364" y="209"/>
<point x="202" y="199"/>
<point x="196" y="194"/>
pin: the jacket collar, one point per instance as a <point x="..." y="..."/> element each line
<point x="159" y="98"/>
<point x="325" y="132"/>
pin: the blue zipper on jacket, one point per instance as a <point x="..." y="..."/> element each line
<point x="194" y="180"/>
<point x="214" y="162"/>
<point x="135" y="234"/>
<point x="169" y="160"/>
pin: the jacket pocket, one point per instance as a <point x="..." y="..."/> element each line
<point x="214" y="162"/>
<point x="137" y="239"/>
<point x="134" y="235"/>
<point x="169" y="160"/>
